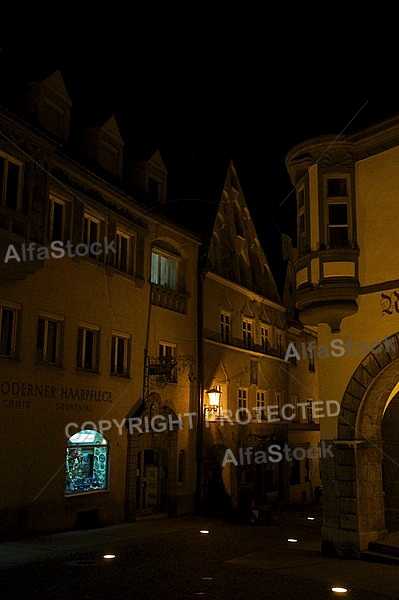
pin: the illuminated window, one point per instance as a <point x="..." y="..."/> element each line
<point x="10" y="182"/>
<point x="86" y="463"/>
<point x="48" y="341"/>
<point x="164" y="269"/>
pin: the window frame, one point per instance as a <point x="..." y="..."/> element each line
<point x="225" y="326"/>
<point x="119" y="235"/>
<point x="96" y="330"/>
<point x="159" y="276"/>
<point x="164" y="345"/>
<point x="59" y="321"/>
<point x="88" y="220"/>
<point x="338" y="200"/>
<point x="265" y="337"/>
<point x="54" y="199"/>
<point x="7" y="158"/>
<point x="16" y="310"/>
<point x="247" y="330"/>
<point x="302" y="242"/>
<point x="117" y="335"/>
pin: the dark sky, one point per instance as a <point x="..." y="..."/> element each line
<point x="203" y="96"/>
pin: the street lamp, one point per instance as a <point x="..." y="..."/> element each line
<point x="214" y="400"/>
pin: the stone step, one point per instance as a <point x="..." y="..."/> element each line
<point x="379" y="557"/>
<point x="384" y="546"/>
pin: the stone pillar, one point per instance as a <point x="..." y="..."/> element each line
<point x="353" y="498"/>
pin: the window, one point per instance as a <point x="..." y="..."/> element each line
<point x="338" y="196"/>
<point x="122" y="247"/>
<point x="10" y="182"/>
<point x="48" y="341"/>
<point x="247" y="334"/>
<point x="277" y="403"/>
<point x="242" y="398"/>
<point x="164" y="269"/>
<point x="86" y="462"/>
<point x="295" y="471"/>
<point x="301" y="220"/>
<point x="181" y="468"/>
<point x="336" y="187"/>
<point x="338" y="225"/>
<point x="57" y="227"/>
<point x="167" y="356"/>
<point x="260" y="404"/>
<point x="88" y="348"/>
<point x="264" y="338"/>
<point x="120" y="354"/>
<point x="225" y="327"/>
<point x="91" y="232"/>
<point x="294" y="402"/>
<point x="311" y="363"/>
<point x="310" y="411"/>
<point x="279" y="342"/>
<point x="8" y="331"/>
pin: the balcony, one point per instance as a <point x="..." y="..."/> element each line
<point x="168" y="298"/>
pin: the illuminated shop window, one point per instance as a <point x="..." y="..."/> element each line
<point x="86" y="463"/>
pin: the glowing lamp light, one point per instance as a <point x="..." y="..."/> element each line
<point x="339" y="590"/>
<point x="293" y="540"/>
<point x="310" y="518"/>
<point x="108" y="556"/>
<point x="214" y="396"/>
<point x="204" y="530"/>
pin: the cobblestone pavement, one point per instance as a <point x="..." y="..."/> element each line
<point x="171" y="558"/>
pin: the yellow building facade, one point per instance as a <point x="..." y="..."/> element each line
<point x="98" y="329"/>
<point x="347" y="285"/>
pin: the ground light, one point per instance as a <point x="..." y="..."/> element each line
<point x="310" y="518"/>
<point x="293" y="540"/>
<point x="204" y="530"/>
<point x="339" y="590"/>
<point x="108" y="556"/>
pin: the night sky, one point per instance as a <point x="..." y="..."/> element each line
<point x="202" y="97"/>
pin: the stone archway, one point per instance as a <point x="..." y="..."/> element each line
<point x="353" y="486"/>
<point x="151" y="467"/>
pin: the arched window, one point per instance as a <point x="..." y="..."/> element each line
<point x="86" y="462"/>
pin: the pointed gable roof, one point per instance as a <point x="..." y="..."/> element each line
<point x="55" y="84"/>
<point x="110" y="128"/>
<point x="235" y="252"/>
